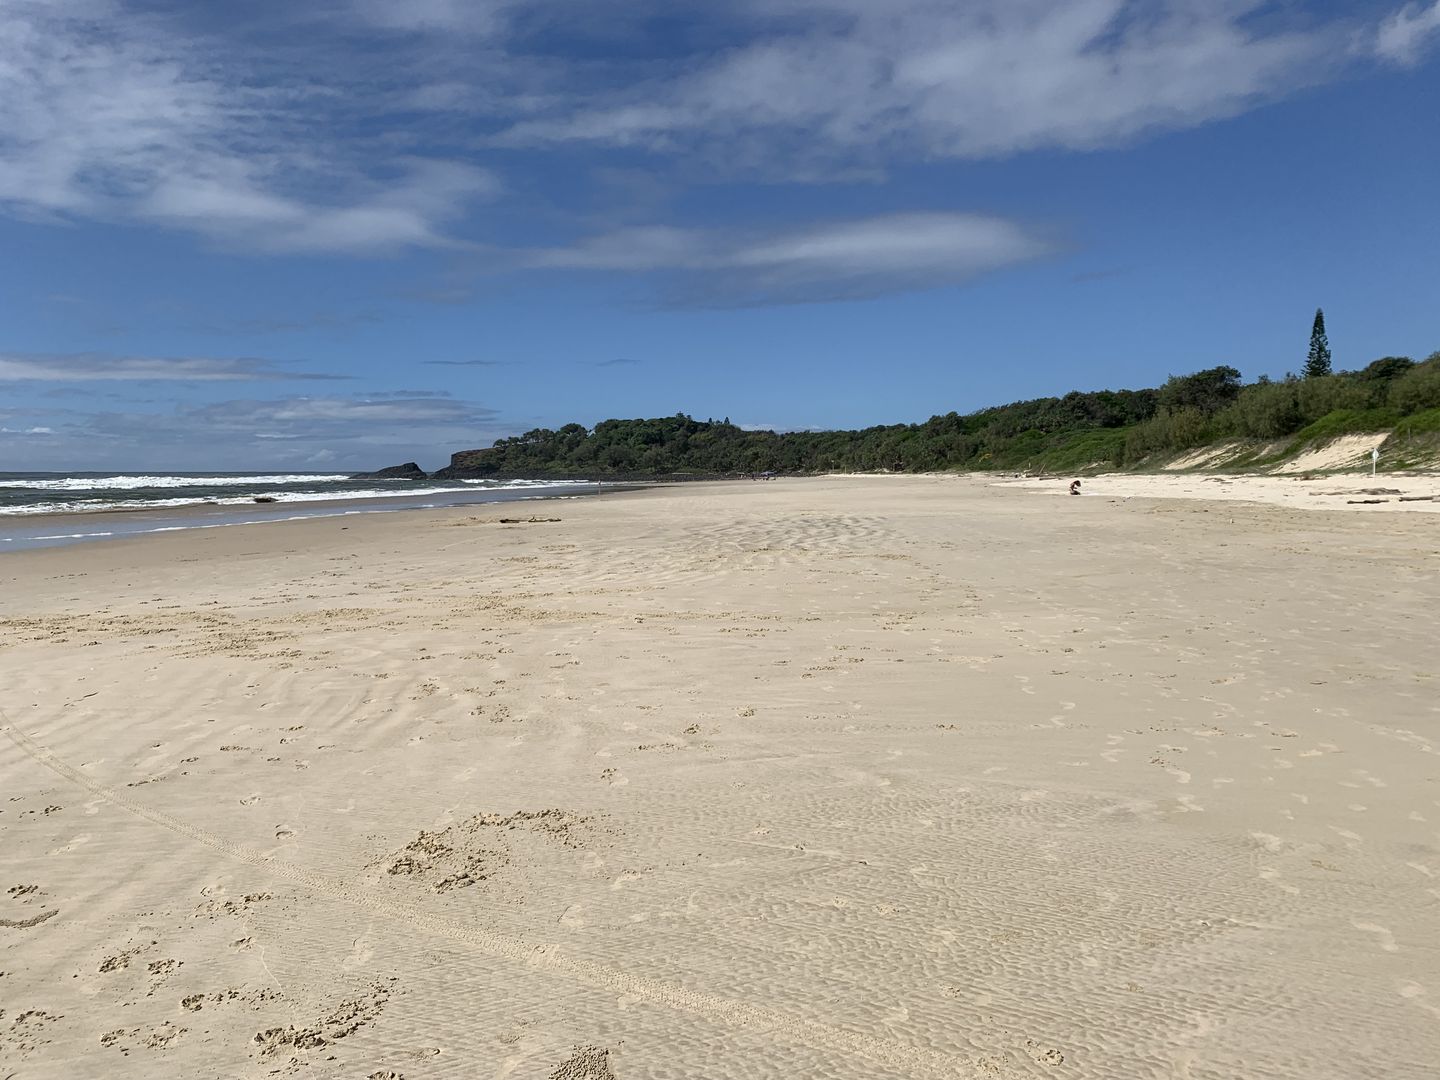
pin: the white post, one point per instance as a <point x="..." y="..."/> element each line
<point x="1374" y="458"/>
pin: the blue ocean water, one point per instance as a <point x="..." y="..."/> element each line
<point x="50" y="509"/>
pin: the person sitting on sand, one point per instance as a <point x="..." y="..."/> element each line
<point x="1074" y="487"/>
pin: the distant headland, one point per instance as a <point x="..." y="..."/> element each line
<point x="1208" y="419"/>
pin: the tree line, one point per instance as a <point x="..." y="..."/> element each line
<point x="1110" y="428"/>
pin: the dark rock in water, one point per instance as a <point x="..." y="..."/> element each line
<point x="409" y="471"/>
<point x="264" y="498"/>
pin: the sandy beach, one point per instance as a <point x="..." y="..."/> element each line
<point x="887" y="777"/>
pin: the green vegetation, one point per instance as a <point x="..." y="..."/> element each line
<point x="1267" y="420"/>
<point x="1427" y="422"/>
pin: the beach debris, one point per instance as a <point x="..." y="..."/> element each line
<point x="1420" y="498"/>
<point x="264" y="498"/>
<point x="527" y="521"/>
<point x="1365" y="502"/>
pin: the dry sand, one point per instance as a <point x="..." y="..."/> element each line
<point x="1352" y="492"/>
<point x="862" y="778"/>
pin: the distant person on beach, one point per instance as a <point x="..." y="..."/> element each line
<point x="1074" y="487"/>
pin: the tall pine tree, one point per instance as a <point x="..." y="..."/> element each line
<point x="1317" y="363"/>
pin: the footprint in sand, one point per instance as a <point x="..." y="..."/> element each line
<point x="1386" y="938"/>
<point x="79" y="841"/>
<point x="1272" y="875"/>
<point x="361" y="953"/>
<point x="572" y="918"/>
<point x="1413" y="991"/>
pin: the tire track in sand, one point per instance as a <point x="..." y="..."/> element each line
<point x="916" y="1061"/>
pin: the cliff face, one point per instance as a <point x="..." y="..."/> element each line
<point x="468" y="465"/>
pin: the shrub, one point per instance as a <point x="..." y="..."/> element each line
<point x="1166" y="432"/>
<point x="1263" y="411"/>
<point x="1326" y="394"/>
<point x="1205" y="392"/>
<point x="1418" y="389"/>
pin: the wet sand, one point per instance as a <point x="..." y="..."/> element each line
<point x="866" y="777"/>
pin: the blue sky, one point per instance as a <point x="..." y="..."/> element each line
<point x="345" y="233"/>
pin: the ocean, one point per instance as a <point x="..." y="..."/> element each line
<point x="49" y="509"/>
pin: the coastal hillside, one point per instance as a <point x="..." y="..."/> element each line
<point x="1209" y="419"/>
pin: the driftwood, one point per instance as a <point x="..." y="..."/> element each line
<point x="526" y="521"/>
<point x="1419" y="498"/>
<point x="1364" y="502"/>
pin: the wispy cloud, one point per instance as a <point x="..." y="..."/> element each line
<point x="364" y="430"/>
<point x="619" y="361"/>
<point x="108" y="111"/>
<point x="369" y="127"/>
<point x="332" y="416"/>
<point x="98" y="367"/>
<point x="473" y="17"/>
<point x="1405" y="34"/>
<point x="867" y="257"/>
<point x="925" y="79"/>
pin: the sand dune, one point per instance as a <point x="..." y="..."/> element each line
<point x="886" y="777"/>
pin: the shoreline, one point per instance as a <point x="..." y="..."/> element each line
<point x="22" y="532"/>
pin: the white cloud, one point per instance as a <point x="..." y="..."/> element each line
<point x="292" y="426"/>
<point x="27" y="431"/>
<point x="1404" y="35"/>
<point x="850" y="259"/>
<point x="449" y="16"/>
<point x="110" y="113"/>
<point x="925" y="79"/>
<point x="406" y="214"/>
<point x="361" y="126"/>
<point x="98" y="367"/>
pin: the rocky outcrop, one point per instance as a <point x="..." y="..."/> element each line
<point x="469" y="465"/>
<point x="409" y="471"/>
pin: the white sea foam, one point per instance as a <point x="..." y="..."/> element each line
<point x="131" y="483"/>
<point x="507" y="484"/>
<point x="89" y="506"/>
